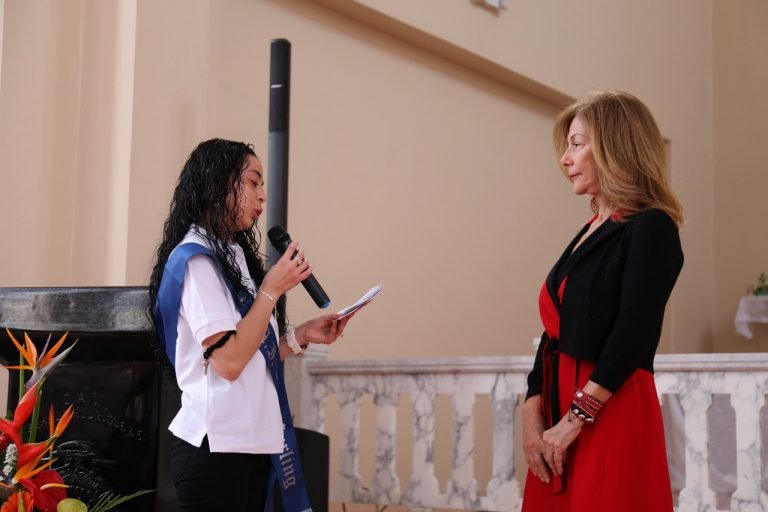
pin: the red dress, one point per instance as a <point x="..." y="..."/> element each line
<point x="617" y="464"/>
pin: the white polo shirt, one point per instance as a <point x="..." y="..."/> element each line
<point x="240" y="416"/>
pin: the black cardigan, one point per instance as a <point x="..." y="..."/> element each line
<point x="619" y="281"/>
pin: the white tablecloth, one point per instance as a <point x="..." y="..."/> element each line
<point x="752" y="308"/>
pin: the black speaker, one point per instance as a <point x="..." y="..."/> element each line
<point x="314" y="452"/>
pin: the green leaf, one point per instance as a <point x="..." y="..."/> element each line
<point x="108" y="501"/>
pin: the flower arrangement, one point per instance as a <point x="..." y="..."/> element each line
<point x="27" y="481"/>
<point x="762" y="285"/>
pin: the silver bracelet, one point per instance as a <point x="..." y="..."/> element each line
<point x="290" y="339"/>
<point x="267" y="295"/>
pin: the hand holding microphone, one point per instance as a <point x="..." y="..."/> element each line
<point x="282" y="241"/>
<point x="286" y="273"/>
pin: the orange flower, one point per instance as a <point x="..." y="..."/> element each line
<point x="56" y="429"/>
<point x="30" y="454"/>
<point x="39" y="488"/>
<point x="29" y="352"/>
<point x="31" y="468"/>
<point x="47" y="359"/>
<point x="12" y="503"/>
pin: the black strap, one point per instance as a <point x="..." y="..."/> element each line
<point x="218" y="344"/>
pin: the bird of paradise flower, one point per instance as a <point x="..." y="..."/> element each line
<point x="32" y="475"/>
<point x="41" y="366"/>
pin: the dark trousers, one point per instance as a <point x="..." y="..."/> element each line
<point x="205" y="481"/>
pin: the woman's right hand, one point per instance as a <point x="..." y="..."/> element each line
<point x="287" y="272"/>
<point x="533" y="445"/>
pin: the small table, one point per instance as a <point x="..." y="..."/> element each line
<point x="752" y="309"/>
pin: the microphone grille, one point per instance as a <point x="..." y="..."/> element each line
<point x="279" y="238"/>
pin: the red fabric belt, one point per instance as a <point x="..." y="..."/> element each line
<point x="550" y="399"/>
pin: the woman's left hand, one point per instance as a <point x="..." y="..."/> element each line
<point x="323" y="329"/>
<point x="557" y="439"/>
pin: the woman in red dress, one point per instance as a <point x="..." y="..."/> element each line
<point x="593" y="433"/>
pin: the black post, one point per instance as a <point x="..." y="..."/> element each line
<point x="313" y="446"/>
<point x="279" y="110"/>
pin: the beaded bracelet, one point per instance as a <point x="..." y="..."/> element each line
<point x="217" y="345"/>
<point x="584" y="406"/>
<point x="583" y="415"/>
<point x="290" y="339"/>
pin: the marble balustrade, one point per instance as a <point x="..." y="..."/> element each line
<point x="691" y="379"/>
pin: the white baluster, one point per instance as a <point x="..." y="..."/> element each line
<point x="503" y="489"/>
<point x="310" y="390"/>
<point x="349" y="484"/>
<point x="386" y="484"/>
<point x="696" y="495"/>
<point x="747" y="401"/>
<point x="462" y="486"/>
<point x="316" y="408"/>
<point x="423" y="488"/>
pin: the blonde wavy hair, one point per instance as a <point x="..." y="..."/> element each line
<point x="628" y="149"/>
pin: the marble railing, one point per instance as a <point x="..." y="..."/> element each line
<point x="690" y="380"/>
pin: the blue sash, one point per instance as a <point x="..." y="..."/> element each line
<point x="286" y="466"/>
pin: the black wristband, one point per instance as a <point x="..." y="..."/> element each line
<point x="218" y="344"/>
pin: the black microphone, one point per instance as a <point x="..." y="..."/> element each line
<point x="281" y="240"/>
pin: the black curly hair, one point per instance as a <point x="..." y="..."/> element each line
<point x="210" y="175"/>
